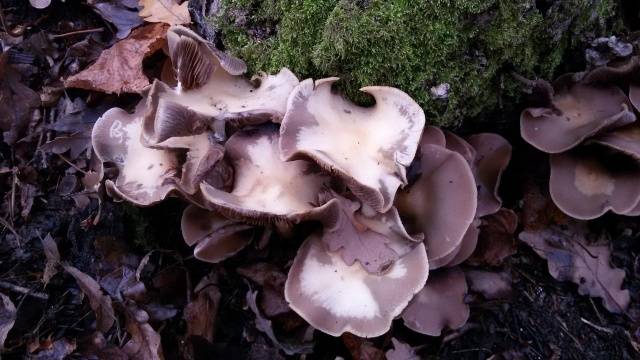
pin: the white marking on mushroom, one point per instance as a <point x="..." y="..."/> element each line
<point x="590" y="181"/>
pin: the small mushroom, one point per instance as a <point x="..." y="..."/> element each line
<point x="265" y="188"/>
<point x="216" y="237"/>
<point x="577" y="112"/>
<point x="146" y="175"/>
<point x="588" y="181"/>
<point x="368" y="147"/>
<point x="441" y="203"/>
<point x="335" y="297"/>
<point x="211" y="92"/>
<point x="439" y="305"/>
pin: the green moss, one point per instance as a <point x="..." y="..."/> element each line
<point x="414" y="45"/>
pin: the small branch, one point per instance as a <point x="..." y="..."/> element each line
<point x="597" y="327"/>
<point x="79" y="32"/>
<point x="23" y="290"/>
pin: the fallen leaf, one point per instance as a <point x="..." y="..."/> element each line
<point x="264" y="325"/>
<point x="7" y="318"/>
<point x="200" y="314"/>
<point x="401" y="351"/>
<point x="165" y="11"/>
<point x="57" y="350"/>
<point x="272" y="281"/>
<point x="53" y="258"/>
<point x="492" y="285"/>
<point x="572" y="252"/>
<point x="119" y="68"/>
<point x="571" y="257"/>
<point x="100" y="303"/>
<point x="360" y="348"/>
<point x="17" y="102"/>
<point x="496" y="241"/>
<point x="123" y="14"/>
<point x="145" y="343"/>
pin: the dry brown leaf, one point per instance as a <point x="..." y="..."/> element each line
<point x="53" y="350"/>
<point x="100" y="303"/>
<point x="7" y="317"/>
<point x="145" y="343"/>
<point x="496" y="241"/>
<point x="200" y="314"/>
<point x="119" y="68"/>
<point x="165" y="11"/>
<point x="570" y="257"/>
<point x="53" y="258"/>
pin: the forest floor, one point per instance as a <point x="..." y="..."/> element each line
<point x="541" y="318"/>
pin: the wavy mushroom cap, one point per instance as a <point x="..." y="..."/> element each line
<point x="211" y="92"/>
<point x="461" y="146"/>
<point x="433" y="136"/>
<point x="577" y="112"/>
<point x="216" y="237"/>
<point x="195" y="59"/>
<point x="265" y="188"/>
<point x="440" y="304"/>
<point x="146" y="176"/>
<point x="336" y="298"/>
<point x="625" y="75"/>
<point x="375" y="240"/>
<point x="368" y="147"/>
<point x="467" y="245"/>
<point x="492" y="156"/>
<point x="441" y="203"/>
<point x="591" y="180"/>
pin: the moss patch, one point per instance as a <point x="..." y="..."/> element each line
<point x="415" y="45"/>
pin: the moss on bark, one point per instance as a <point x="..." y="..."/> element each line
<point x="472" y="45"/>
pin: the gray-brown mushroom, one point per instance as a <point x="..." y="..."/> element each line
<point x="368" y="147"/>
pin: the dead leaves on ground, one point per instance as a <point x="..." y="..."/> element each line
<point x="165" y="11"/>
<point x="573" y="253"/>
<point x="7" y="317"/>
<point x="119" y="68"/>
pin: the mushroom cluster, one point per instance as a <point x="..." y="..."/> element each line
<point x="587" y="123"/>
<point x="252" y="157"/>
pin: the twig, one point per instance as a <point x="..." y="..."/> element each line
<point x="71" y="164"/>
<point x="597" y="327"/>
<point x="79" y="32"/>
<point x="7" y="225"/>
<point x="23" y="290"/>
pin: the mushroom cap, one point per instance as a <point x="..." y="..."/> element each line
<point x="493" y="154"/>
<point x="202" y="155"/>
<point x="335" y="298"/>
<point x="223" y="98"/>
<point x="434" y="136"/>
<point x="195" y="59"/>
<point x="467" y="246"/>
<point x="375" y="240"/>
<point x="577" y="112"/>
<point x="265" y="188"/>
<point x="587" y="182"/>
<point x="217" y="237"/>
<point x="146" y="176"/>
<point x="440" y="304"/>
<point x="368" y="147"/>
<point x="461" y="146"/>
<point x="441" y="203"/>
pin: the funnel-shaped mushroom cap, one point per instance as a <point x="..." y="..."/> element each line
<point x="461" y="146"/>
<point x="146" y="175"/>
<point x="373" y="239"/>
<point x="367" y="147"/>
<point x="265" y="187"/>
<point x="587" y="182"/>
<point x="336" y="298"/>
<point x="194" y="59"/>
<point x="439" y="305"/>
<point x="441" y="203"/>
<point x="223" y="98"/>
<point x="576" y="113"/>
<point x="217" y="237"/>
<point x="493" y="154"/>
<point x="433" y="136"/>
